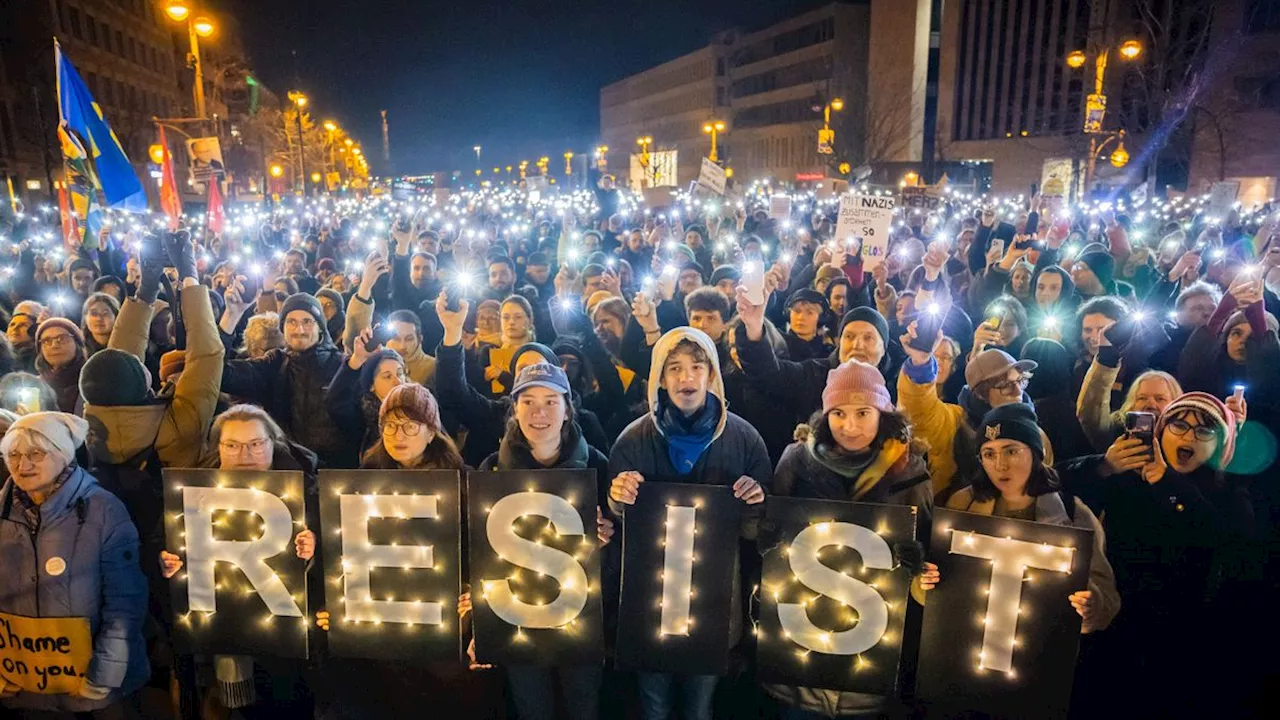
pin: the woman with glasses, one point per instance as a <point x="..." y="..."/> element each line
<point x="358" y="390"/>
<point x="246" y="438"/>
<point x="69" y="550"/>
<point x="1180" y="531"/>
<point x="1013" y="481"/>
<point x="60" y="345"/>
<point x="97" y="319"/>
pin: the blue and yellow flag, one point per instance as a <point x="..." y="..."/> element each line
<point x="85" y="136"/>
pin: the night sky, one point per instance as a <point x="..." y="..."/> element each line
<point x="521" y="79"/>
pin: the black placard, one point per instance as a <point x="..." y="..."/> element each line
<point x="1046" y="633"/>
<point x="500" y="503"/>
<point x="830" y="529"/>
<point x="243" y="622"/>
<point x="653" y="529"/>
<point x="389" y="516"/>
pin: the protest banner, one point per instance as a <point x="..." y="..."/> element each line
<point x="780" y="207"/>
<point x="44" y="656"/>
<point x="391" y="551"/>
<point x="679" y="557"/>
<point x="833" y="595"/>
<point x="921" y="197"/>
<point x="867" y="217"/>
<point x="711" y="177"/>
<point x="999" y="635"/>
<point x="242" y="589"/>
<point x="535" y="567"/>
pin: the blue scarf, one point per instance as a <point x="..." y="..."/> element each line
<point x="687" y="437"/>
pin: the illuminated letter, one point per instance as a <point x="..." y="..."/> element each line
<point x="1009" y="559"/>
<point x="873" y="614"/>
<point x="203" y="552"/>
<point x="537" y="557"/>
<point x="677" y="570"/>
<point x="359" y="557"/>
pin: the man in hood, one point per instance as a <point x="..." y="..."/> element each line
<point x="689" y="436"/>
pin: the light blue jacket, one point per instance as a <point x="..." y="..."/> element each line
<point x="90" y="530"/>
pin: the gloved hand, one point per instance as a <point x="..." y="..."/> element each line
<point x="910" y="555"/>
<point x="152" y="267"/>
<point x="181" y="254"/>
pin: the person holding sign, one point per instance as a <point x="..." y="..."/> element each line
<point x="856" y="448"/>
<point x="689" y="436"/>
<point x="1013" y="481"/>
<point x="542" y="434"/>
<point x="69" y="552"/>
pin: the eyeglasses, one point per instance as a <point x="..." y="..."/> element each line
<point x="1182" y="427"/>
<point x="255" y="447"/>
<point x="1006" y="385"/>
<point x="55" y="340"/>
<point x="410" y="428"/>
<point x="100" y="313"/>
<point x="14" y="458"/>
<point x="1009" y="454"/>
<point x="303" y="324"/>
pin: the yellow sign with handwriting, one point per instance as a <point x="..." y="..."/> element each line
<point x="46" y="656"/>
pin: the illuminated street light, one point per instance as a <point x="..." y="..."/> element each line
<point x="713" y="128"/>
<point x="1076" y="59"/>
<point x="177" y="10"/>
<point x="157" y="153"/>
<point x="837" y="104"/>
<point x="1120" y="157"/>
<point x="330" y="125"/>
<point x="1130" y="49"/>
<point x="276" y="171"/>
<point x="180" y="11"/>
<point x="203" y="26"/>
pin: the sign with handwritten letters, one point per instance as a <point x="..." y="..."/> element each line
<point x="242" y="588"/>
<point x="679" y="553"/>
<point x="390" y="546"/>
<point x="535" y="567"/>
<point x="869" y="218"/>
<point x="711" y="176"/>
<point x="833" y="597"/>
<point x="999" y="635"/>
<point x="44" y="656"/>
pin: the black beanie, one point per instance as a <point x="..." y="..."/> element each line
<point x="537" y="347"/>
<point x="307" y="303"/>
<point x="112" y="378"/>
<point x="809" y="295"/>
<point x="1103" y="266"/>
<point x="868" y="315"/>
<point x="1015" y="421"/>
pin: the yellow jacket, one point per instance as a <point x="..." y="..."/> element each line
<point x="420" y="366"/>
<point x="934" y="422"/>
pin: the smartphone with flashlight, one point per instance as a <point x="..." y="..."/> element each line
<point x="29" y="398"/>
<point x="928" y="323"/>
<point x="998" y="245"/>
<point x="456" y="292"/>
<point x="381" y="335"/>
<point x="1140" y="425"/>
<point x="753" y="281"/>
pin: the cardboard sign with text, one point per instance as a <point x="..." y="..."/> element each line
<point x="679" y="553"/>
<point x="780" y="207"/>
<point x="44" y="656"/>
<point x="711" y="176"/>
<point x="535" y="567"/>
<point x="391" y="553"/>
<point x="921" y="197"/>
<point x="868" y="217"/>
<point x="833" y="597"/>
<point x="999" y="635"/>
<point x="242" y="589"/>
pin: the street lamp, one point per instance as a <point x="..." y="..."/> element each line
<point x="645" y="159"/>
<point x="568" y="163"/>
<point x="1096" y="103"/>
<point x="197" y="27"/>
<point x="713" y="128"/>
<point x="827" y="136"/>
<point x="276" y="170"/>
<point x="602" y="157"/>
<point x="300" y="101"/>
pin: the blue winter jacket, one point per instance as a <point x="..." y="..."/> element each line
<point x="90" y="530"/>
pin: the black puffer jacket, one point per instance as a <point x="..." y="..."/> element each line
<point x="291" y="387"/>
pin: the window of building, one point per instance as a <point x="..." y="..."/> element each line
<point x="119" y="50"/>
<point x="73" y="17"/>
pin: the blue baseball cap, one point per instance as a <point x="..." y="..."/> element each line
<point x="543" y="375"/>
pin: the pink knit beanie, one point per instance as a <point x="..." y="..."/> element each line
<point x="1208" y="405"/>
<point x="855" y="383"/>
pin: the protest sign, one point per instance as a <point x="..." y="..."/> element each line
<point x="921" y="197"/>
<point x="711" y="176"/>
<point x="44" y="656"/>
<point x="535" y="568"/>
<point x="679" y="556"/>
<point x="869" y="218"/>
<point x="242" y="589"/>
<point x="833" y="596"/>
<point x="999" y="635"/>
<point x="780" y="207"/>
<point x="391" y="551"/>
<point x="1222" y="196"/>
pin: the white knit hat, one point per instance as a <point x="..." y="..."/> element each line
<point x="64" y="431"/>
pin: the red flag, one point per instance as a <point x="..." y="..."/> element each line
<point x="213" y="216"/>
<point x="70" y="225"/>
<point x="170" y="203"/>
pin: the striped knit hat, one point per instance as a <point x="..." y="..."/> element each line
<point x="1211" y="407"/>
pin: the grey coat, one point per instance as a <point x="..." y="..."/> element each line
<point x="90" y="530"/>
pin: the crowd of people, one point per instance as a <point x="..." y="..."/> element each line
<point x="1110" y="366"/>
